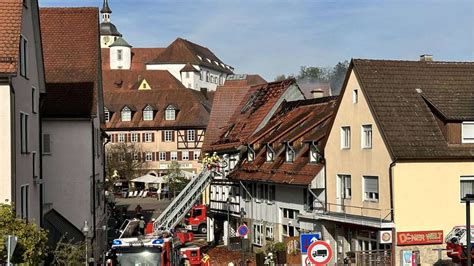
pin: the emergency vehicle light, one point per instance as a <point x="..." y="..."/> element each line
<point x="157" y="242"/>
<point x="117" y="242"/>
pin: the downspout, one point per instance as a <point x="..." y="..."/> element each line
<point x="13" y="144"/>
<point x="40" y="155"/>
<point x="93" y="184"/>
<point x="107" y="141"/>
<point x="392" y="218"/>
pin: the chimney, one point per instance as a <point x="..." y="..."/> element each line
<point x="426" y="57"/>
<point x="317" y="93"/>
<point x="204" y="92"/>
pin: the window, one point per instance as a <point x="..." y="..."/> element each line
<point x="23" y="56"/>
<point x="345" y="137"/>
<point x="270" y="193"/>
<point x="34" y="106"/>
<point x="126" y="114"/>
<point x="314" y="156"/>
<point x="366" y="137"/>
<point x="148" y="137"/>
<point x="121" y="137"/>
<point x="24" y="190"/>
<point x="119" y="54"/>
<point x="170" y="113"/>
<point x="168" y="135"/>
<point x="270" y="153"/>
<point x="371" y="188"/>
<point x="191" y="135"/>
<point x="289" y="230"/>
<point x="46" y="143"/>
<point x="258" y="234"/>
<point x="467" y="185"/>
<point x="148" y="156"/>
<point x="308" y="199"/>
<point x="355" y="96"/>
<point x="290" y="214"/>
<point x="134" y="137"/>
<point x="185" y="155"/>
<point x="106" y="115"/>
<point x="135" y="156"/>
<point x="33" y="157"/>
<point x="144" y="85"/>
<point x="201" y="75"/>
<point x="24" y="132"/>
<point x="250" y="153"/>
<point x="148" y="113"/>
<point x="162" y="156"/>
<point x="468" y="132"/>
<point x="174" y="156"/>
<point x="269" y="232"/>
<point x="289" y="153"/>
<point x="344" y="186"/>
<point x="187" y="75"/>
<point x="196" y="155"/>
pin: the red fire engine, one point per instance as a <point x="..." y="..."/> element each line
<point x="196" y="219"/>
<point x="456" y="244"/>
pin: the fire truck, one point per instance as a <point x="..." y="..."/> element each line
<point x="456" y="244"/>
<point x="196" y="219"/>
<point x="165" y="245"/>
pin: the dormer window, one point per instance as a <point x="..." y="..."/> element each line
<point x="468" y="132"/>
<point x="270" y="153"/>
<point x="170" y="113"/>
<point x="126" y="114"/>
<point x="314" y="154"/>
<point x="289" y="153"/>
<point x="119" y="54"/>
<point x="106" y="114"/>
<point x="148" y="113"/>
<point x="250" y="153"/>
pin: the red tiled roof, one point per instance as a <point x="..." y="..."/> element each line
<point x="297" y="123"/>
<point x="193" y="108"/>
<point x="182" y="51"/>
<point x="68" y="100"/>
<point x="255" y="105"/>
<point x="10" y="28"/>
<point x="125" y="80"/>
<point x="226" y="100"/>
<point x="140" y="56"/>
<point x="71" y="50"/>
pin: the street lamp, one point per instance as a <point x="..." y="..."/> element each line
<point x="85" y="231"/>
<point x="468" y="198"/>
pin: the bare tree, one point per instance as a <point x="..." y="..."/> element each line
<point x="125" y="161"/>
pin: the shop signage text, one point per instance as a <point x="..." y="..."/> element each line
<point x="420" y="237"/>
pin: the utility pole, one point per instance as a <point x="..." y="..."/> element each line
<point x="468" y="198"/>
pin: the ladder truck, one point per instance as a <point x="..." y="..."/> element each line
<point x="166" y="246"/>
<point x="456" y="244"/>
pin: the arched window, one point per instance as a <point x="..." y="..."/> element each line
<point x="170" y="113"/>
<point x="148" y="113"/>
<point x="126" y="114"/>
<point x="106" y="114"/>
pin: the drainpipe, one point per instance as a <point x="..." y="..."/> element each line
<point x="93" y="185"/>
<point x="107" y="141"/>
<point x="392" y="218"/>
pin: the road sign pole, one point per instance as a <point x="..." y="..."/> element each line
<point x="8" y="250"/>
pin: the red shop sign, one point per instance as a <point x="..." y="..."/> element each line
<point x="420" y="237"/>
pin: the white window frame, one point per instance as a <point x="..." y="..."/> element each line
<point x="345" y="137"/>
<point x="170" y="113"/>
<point x="376" y="196"/>
<point x="342" y="185"/>
<point x="191" y="135"/>
<point x="463" y="139"/>
<point x="461" y="179"/>
<point x="106" y="115"/>
<point x="148" y="156"/>
<point x="162" y="156"/>
<point x="148" y="113"/>
<point x="134" y="137"/>
<point x="185" y="155"/>
<point x="196" y="155"/>
<point x="355" y="96"/>
<point x="174" y="156"/>
<point x="269" y="231"/>
<point x="119" y="55"/>
<point x="314" y="156"/>
<point x="270" y="153"/>
<point x="250" y="154"/>
<point x="366" y="136"/>
<point x="257" y="234"/>
<point x="121" y="137"/>
<point x="290" y="153"/>
<point x="126" y="114"/>
<point x="148" y="137"/>
<point x="168" y="135"/>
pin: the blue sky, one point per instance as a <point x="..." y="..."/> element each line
<point x="272" y="37"/>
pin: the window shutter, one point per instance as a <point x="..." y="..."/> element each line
<point x="153" y="156"/>
<point x="128" y="137"/>
<point x="152" y="137"/>
<point x="143" y="156"/>
<point x="46" y="143"/>
<point x="162" y="136"/>
<point x="185" y="135"/>
<point x="191" y="155"/>
<point x="172" y="135"/>
<point x="168" y="156"/>
<point x="180" y="156"/>
<point x="138" y="137"/>
<point x="143" y="137"/>
<point x="371" y="184"/>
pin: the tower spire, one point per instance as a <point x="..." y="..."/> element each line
<point x="106" y="11"/>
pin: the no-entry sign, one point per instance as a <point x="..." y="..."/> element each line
<point x="319" y="253"/>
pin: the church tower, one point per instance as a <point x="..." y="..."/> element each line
<point x="108" y="32"/>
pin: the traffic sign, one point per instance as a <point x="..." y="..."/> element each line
<point x="307" y="239"/>
<point x="305" y="260"/>
<point x="319" y="253"/>
<point x="243" y="230"/>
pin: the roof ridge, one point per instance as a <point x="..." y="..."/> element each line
<point x="412" y="61"/>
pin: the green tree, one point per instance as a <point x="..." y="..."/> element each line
<point x="338" y="75"/>
<point x="176" y="179"/>
<point x="69" y="253"/>
<point x="31" y="245"/>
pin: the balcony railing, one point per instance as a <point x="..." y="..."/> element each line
<point x="348" y="212"/>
